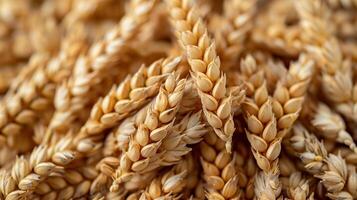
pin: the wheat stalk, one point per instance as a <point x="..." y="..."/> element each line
<point x="205" y="65"/>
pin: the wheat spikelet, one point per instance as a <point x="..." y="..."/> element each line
<point x="267" y="185"/>
<point x="308" y="148"/>
<point x="144" y="144"/>
<point x="205" y="65"/>
<point x="190" y="130"/>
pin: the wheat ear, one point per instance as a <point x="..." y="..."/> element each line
<point x="124" y="100"/>
<point x="289" y="94"/>
<point x="262" y="125"/>
<point x="205" y="65"/>
<point x="262" y="131"/>
<point x="33" y="97"/>
<point x="143" y="145"/>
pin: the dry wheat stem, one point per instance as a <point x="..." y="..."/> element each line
<point x="205" y="65"/>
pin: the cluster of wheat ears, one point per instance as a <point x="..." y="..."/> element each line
<point x="178" y="99"/>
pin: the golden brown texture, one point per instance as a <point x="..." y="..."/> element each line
<point x="178" y="99"/>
